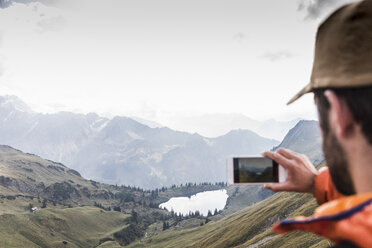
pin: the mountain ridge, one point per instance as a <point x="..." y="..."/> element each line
<point x="305" y="137"/>
<point x="122" y="150"/>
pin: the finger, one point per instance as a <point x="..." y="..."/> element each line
<point x="268" y="154"/>
<point x="280" y="159"/>
<point x="299" y="158"/>
<point x="288" y="153"/>
<point x="277" y="187"/>
<point x="271" y="155"/>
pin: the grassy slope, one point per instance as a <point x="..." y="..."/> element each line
<point x="80" y="227"/>
<point x="27" y="172"/>
<point x="83" y="227"/>
<point x="242" y="196"/>
<point x="247" y="227"/>
<point x="26" y="178"/>
<point x="31" y="170"/>
<point x="19" y="165"/>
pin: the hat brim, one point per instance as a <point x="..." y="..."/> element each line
<point x="305" y="90"/>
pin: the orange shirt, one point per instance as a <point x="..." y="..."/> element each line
<point x="340" y="218"/>
<point x="324" y="190"/>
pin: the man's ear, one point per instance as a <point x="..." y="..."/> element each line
<point x="340" y="117"/>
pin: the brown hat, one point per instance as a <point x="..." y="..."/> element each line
<point x="343" y="50"/>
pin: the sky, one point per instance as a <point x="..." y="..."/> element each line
<point x="161" y="59"/>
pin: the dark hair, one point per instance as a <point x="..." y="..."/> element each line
<point x="359" y="101"/>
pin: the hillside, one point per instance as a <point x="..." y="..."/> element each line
<point x="304" y="138"/>
<point x="70" y="227"/>
<point x="81" y="212"/>
<point x="249" y="227"/>
<point x="121" y="150"/>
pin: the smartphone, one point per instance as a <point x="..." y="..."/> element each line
<point x="254" y="170"/>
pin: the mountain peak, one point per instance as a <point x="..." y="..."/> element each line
<point x="304" y="138"/>
<point x="14" y="103"/>
<point x="241" y="132"/>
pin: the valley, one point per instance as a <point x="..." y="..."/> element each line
<point x="46" y="204"/>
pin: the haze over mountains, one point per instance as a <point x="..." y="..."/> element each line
<point x="223" y="123"/>
<point x="122" y="150"/>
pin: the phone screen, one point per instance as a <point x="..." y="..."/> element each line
<point x="255" y="170"/>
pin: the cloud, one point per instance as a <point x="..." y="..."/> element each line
<point x="316" y="9"/>
<point x="6" y="3"/>
<point x="28" y="16"/>
<point x="276" y="56"/>
<point x="22" y="22"/>
<point x="123" y="53"/>
<point x="239" y="37"/>
<point x="56" y="23"/>
<point x="1" y="59"/>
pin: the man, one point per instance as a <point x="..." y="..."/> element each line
<point x="341" y="81"/>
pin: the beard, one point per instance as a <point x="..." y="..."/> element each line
<point x="337" y="164"/>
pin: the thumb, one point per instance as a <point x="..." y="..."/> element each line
<point x="276" y="187"/>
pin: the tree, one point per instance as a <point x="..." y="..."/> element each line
<point x="134" y="216"/>
<point x="164" y="226"/>
<point x="209" y="213"/>
<point x="44" y="204"/>
<point x="30" y="206"/>
<point x="128" y="234"/>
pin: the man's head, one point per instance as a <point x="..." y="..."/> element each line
<point x="341" y="80"/>
<point x="344" y="115"/>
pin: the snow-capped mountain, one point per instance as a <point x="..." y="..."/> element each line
<point x="122" y="150"/>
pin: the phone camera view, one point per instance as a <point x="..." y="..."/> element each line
<point x="255" y="170"/>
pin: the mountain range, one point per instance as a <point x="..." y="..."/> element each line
<point x="71" y="211"/>
<point x="46" y="204"/>
<point x="122" y="150"/>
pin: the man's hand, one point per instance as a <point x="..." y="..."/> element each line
<point x="301" y="172"/>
